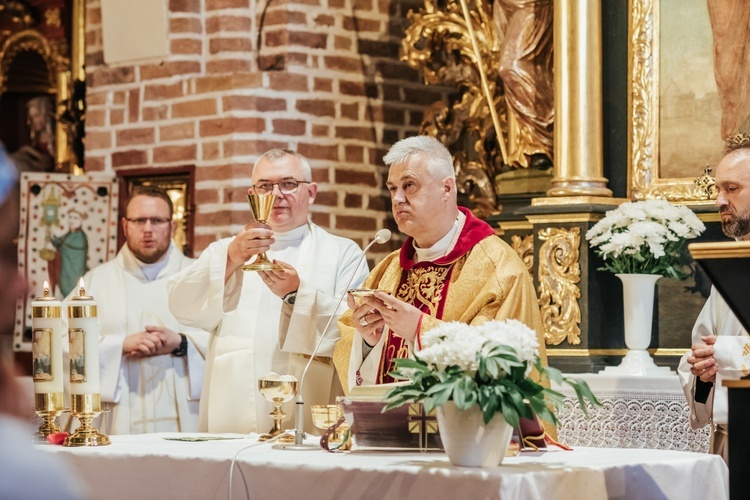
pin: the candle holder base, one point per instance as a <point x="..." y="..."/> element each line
<point x="86" y="407"/>
<point x="48" y="405"/>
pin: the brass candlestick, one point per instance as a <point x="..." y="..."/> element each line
<point x="261" y="205"/>
<point x="48" y="405"/>
<point x="278" y="392"/>
<point x="86" y="407"/>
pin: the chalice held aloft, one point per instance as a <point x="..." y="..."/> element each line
<point x="261" y="206"/>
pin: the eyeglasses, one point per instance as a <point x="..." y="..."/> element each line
<point x="286" y="187"/>
<point x="155" y="221"/>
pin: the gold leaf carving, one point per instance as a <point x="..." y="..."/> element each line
<point x="559" y="274"/>
<point x="524" y="248"/>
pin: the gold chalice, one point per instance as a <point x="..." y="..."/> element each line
<point x="261" y="205"/>
<point x="277" y="390"/>
<point x="324" y="417"/>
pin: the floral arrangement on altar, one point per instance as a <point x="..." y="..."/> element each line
<point x="645" y="237"/>
<point x="488" y="365"/>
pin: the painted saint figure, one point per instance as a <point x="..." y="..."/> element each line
<point x="72" y="253"/>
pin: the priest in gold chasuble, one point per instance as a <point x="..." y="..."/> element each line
<point x="452" y="267"/>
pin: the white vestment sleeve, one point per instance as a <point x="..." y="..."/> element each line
<point x="110" y="365"/>
<point x="198" y="296"/>
<point x="196" y="361"/>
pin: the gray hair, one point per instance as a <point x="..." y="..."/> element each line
<point x="437" y="157"/>
<point x="273" y="155"/>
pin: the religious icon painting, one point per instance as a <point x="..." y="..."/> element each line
<point x="41" y="355"/>
<point x="68" y="225"/>
<point x="77" y="339"/>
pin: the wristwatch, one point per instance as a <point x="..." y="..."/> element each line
<point x="182" y="348"/>
<point x="290" y="297"/>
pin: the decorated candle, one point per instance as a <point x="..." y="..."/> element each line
<point x="83" y="336"/>
<point x="46" y="346"/>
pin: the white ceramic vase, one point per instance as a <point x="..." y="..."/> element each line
<point x="468" y="441"/>
<point x="638" y="312"/>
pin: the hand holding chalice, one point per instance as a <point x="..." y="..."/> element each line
<point x="261" y="206"/>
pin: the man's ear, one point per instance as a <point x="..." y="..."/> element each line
<point x="312" y="192"/>
<point x="449" y="185"/>
<point x="124" y="227"/>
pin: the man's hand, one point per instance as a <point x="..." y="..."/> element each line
<point x="138" y="345"/>
<point x="281" y="282"/>
<point x="253" y="239"/>
<point x="366" y="320"/>
<point x="170" y="340"/>
<point x="400" y="317"/>
<point x="702" y="362"/>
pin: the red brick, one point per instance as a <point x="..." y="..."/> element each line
<point x="327" y="198"/>
<point x="342" y="43"/>
<point x="318" y="151"/>
<point x="134" y="105"/>
<point x="322" y="85"/>
<point x="201" y="241"/>
<point x="226" y="4"/>
<point x="238" y="147"/>
<point x="131" y="137"/>
<point x="95" y="58"/>
<point x="98" y="140"/>
<point x="224" y="126"/>
<point x="184" y="6"/>
<point x="252" y="103"/>
<point x="354" y="154"/>
<point x="217" y="45"/>
<point x="227" y="23"/>
<point x="94" y="98"/>
<point x="306" y="39"/>
<point x="185" y="25"/>
<point x="325" y="20"/>
<point x="361" y="25"/>
<point x="288" y="127"/>
<point x="211" y="151"/>
<point x="93" y="16"/>
<point x="321" y="131"/>
<point x="355" y="177"/>
<point x="352" y="88"/>
<point x="316" y="107"/>
<point x="96" y="118"/>
<point x="204" y="196"/>
<point x="154" y="113"/>
<point x="362" y="5"/>
<point x="392" y="114"/>
<point x="355" y="222"/>
<point x="284" y="18"/>
<point x="119" y="97"/>
<point x="320" y="175"/>
<point x="276" y="38"/>
<point x="321" y="219"/>
<point x="222" y="218"/>
<point x="343" y="63"/>
<point x="131" y="157"/>
<point x="165" y="70"/>
<point x="176" y="131"/>
<point x="238" y="81"/>
<point x="154" y="92"/>
<point x="288" y="81"/>
<point x="111" y="76"/>
<point x="362" y="133"/>
<point x="214" y="173"/>
<point x="336" y="4"/>
<point x="170" y="154"/>
<point x="228" y="66"/>
<point x="116" y="116"/>
<point x="352" y="200"/>
<point x="350" y="110"/>
<point x="185" y="46"/>
<point x="95" y="163"/>
<point x="202" y="107"/>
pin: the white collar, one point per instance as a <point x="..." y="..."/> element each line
<point x="444" y="245"/>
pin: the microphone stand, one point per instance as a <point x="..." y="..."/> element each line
<point x="299" y="432"/>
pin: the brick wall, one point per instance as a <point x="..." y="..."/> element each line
<point x="318" y="76"/>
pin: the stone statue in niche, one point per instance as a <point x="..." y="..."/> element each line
<point x="38" y="156"/>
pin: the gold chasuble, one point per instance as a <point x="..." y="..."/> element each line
<point x="480" y="279"/>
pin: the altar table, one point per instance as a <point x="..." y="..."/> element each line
<point x="148" y="466"/>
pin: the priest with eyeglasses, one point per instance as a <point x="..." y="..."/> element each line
<point x="268" y="321"/>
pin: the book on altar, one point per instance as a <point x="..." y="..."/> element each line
<point x="727" y="265"/>
<point x="404" y="428"/>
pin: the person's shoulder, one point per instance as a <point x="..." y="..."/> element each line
<point x="327" y="235"/>
<point x="498" y="252"/>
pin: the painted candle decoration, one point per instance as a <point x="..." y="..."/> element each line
<point x="46" y="347"/>
<point x="83" y="336"/>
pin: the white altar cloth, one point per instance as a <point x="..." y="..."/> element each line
<point x="147" y="466"/>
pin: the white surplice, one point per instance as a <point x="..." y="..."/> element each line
<point x="255" y="333"/>
<point x="153" y="393"/>
<point x="732" y="354"/>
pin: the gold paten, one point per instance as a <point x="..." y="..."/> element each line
<point x="86" y="407"/>
<point x="524" y="248"/>
<point x="48" y="405"/>
<point x="559" y="273"/>
<point x="261" y="205"/>
<point x="277" y="392"/>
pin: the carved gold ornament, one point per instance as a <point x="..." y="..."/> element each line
<point x="524" y="248"/>
<point x="559" y="274"/>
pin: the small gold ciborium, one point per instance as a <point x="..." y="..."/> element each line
<point x="359" y="294"/>
<point x="86" y="407"/>
<point x="278" y="390"/>
<point x="326" y="416"/>
<point x="261" y="205"/>
<point x="48" y="406"/>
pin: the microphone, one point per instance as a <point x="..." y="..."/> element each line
<point x="381" y="237"/>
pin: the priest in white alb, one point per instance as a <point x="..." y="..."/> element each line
<point x="268" y="321"/>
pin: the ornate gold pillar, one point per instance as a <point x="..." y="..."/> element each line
<point x="579" y="160"/>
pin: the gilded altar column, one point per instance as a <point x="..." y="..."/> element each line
<point x="578" y="169"/>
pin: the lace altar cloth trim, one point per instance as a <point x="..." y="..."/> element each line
<point x="658" y="420"/>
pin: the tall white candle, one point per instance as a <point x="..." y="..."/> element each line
<point x="83" y="336"/>
<point x="46" y="347"/>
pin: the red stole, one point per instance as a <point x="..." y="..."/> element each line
<point x="425" y="285"/>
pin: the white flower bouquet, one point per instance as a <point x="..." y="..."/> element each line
<point x="645" y="237"/>
<point x="488" y="365"/>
